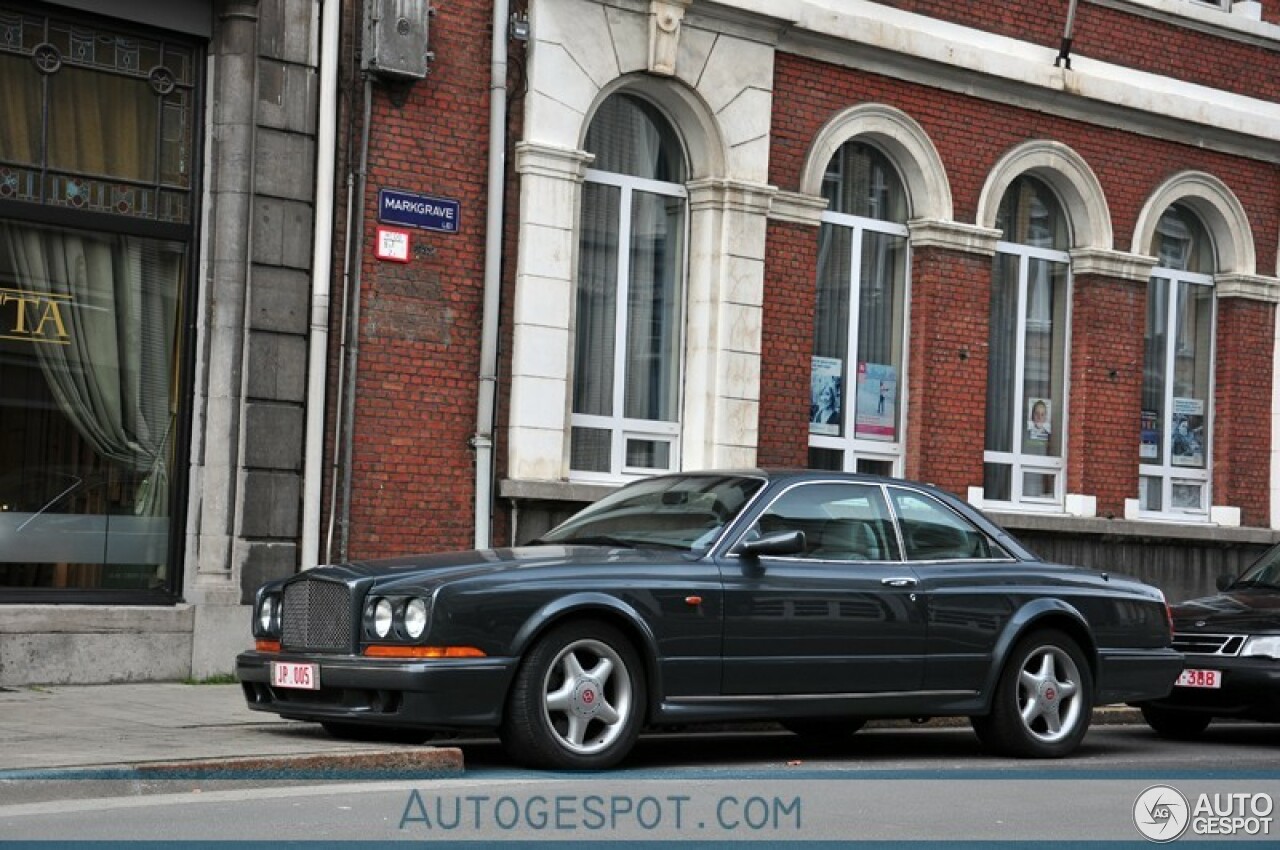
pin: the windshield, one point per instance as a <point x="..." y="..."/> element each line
<point x="1265" y="573"/>
<point x="685" y="512"/>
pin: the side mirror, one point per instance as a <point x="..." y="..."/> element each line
<point x="778" y="543"/>
<point x="1225" y="581"/>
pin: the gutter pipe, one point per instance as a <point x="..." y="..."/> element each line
<point x="482" y="441"/>
<point x="321" y="272"/>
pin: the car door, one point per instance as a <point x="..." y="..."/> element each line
<point x="838" y="616"/>
<point x="969" y="583"/>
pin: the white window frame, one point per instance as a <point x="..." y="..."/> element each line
<point x="621" y="428"/>
<point x="1169" y="474"/>
<point x="1020" y="463"/>
<point x="852" y="448"/>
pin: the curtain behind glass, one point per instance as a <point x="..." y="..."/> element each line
<point x="628" y="136"/>
<point x="831" y="315"/>
<point x="597" y="300"/>
<point x="115" y="379"/>
<point x="21" y="94"/>
<point x="654" y="308"/>
<point x="1002" y="362"/>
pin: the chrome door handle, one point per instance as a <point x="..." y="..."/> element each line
<point x="898" y="582"/>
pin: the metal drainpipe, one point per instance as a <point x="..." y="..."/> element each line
<point x="353" y="329"/>
<point x="321" y="270"/>
<point x="483" y="439"/>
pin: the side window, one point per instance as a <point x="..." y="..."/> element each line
<point x="933" y="532"/>
<point x="841" y="522"/>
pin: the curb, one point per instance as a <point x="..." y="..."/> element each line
<point x="406" y="760"/>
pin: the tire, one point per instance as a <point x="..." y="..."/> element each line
<point x="1171" y="723"/>
<point x="578" y="699"/>
<point x="824" y="729"/>
<point x="1043" y="700"/>
<point x="385" y="734"/>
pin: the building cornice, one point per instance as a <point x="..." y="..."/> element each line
<point x="953" y="236"/>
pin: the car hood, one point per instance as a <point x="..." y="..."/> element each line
<point x="1244" y="611"/>
<point x="428" y="571"/>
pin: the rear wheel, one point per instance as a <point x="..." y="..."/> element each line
<point x="577" y="701"/>
<point x="1171" y="723"/>
<point x="1043" y="700"/>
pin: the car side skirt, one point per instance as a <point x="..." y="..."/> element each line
<point x="766" y="707"/>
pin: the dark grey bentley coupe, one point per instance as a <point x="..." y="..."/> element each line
<point x="816" y="599"/>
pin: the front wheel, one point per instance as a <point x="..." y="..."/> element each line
<point x="577" y="702"/>
<point x="1171" y="723"/>
<point x="1043" y="700"/>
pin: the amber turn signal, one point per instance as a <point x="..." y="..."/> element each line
<point x="267" y="645"/>
<point x="423" y="652"/>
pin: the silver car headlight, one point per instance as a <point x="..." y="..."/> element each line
<point x="415" y="617"/>
<point x="269" y="614"/>
<point x="383" y="615"/>
<point x="1268" y="645"/>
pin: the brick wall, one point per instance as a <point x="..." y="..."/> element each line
<point x="1242" y="407"/>
<point x="1124" y="37"/>
<point x="413" y="471"/>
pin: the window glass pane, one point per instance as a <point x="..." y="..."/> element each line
<point x="1030" y="214"/>
<point x="102" y="124"/>
<point x="1182" y="243"/>
<point x="1154" y="422"/>
<point x="21" y="92"/>
<point x="997" y="482"/>
<point x="868" y="466"/>
<point x="630" y="136"/>
<point x="1188" y="424"/>
<point x="1044" y="362"/>
<point x="648" y="454"/>
<point x="1150" y="495"/>
<point x="89" y="330"/>
<point x="841" y="522"/>
<point x="931" y="531"/>
<point x="861" y="181"/>
<point x="830" y="459"/>
<point x="831" y="330"/>
<point x="1039" y="485"/>
<point x="880" y="322"/>
<point x="590" y="449"/>
<point x="1002" y="359"/>
<point x="654" y="311"/>
<point x="1187" y="495"/>
<point x="596" y="318"/>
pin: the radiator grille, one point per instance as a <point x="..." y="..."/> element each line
<point x="317" y="616"/>
<point x="1199" y="644"/>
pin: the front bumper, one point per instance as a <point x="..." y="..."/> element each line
<point x="445" y="693"/>
<point x="1250" y="689"/>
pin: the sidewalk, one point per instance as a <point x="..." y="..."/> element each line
<point x="167" y="726"/>
<point x="157" y="727"/>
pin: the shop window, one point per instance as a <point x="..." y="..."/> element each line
<point x="96" y="200"/>
<point x="1026" y="373"/>
<point x="856" y="379"/>
<point x="1177" y="375"/>
<point x="629" y="322"/>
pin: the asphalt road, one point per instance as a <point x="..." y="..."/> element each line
<point x="921" y="784"/>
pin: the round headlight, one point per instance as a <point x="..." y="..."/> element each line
<point x="415" y="617"/>
<point x="382" y="615"/>
<point x="266" y="614"/>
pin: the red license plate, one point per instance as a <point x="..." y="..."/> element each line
<point x="285" y="674"/>
<point x="1199" y="679"/>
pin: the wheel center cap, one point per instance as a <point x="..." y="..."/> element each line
<point x="1049" y="693"/>
<point x="586" y="698"/>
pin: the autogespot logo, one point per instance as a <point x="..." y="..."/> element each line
<point x="1161" y="813"/>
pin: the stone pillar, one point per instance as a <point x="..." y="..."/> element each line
<point x="727" y="225"/>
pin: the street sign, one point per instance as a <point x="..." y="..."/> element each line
<point x="392" y="245"/>
<point x="424" y="212"/>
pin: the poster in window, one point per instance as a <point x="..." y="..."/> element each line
<point x="1187" y="438"/>
<point x="824" y="395"/>
<point x="1149" y="448"/>
<point x="1039" y="411"/>
<point x="877" y="402"/>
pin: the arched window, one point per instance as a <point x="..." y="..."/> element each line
<point x="1027" y="367"/>
<point x="855" y="414"/>
<point x="1177" y="374"/>
<point x="628" y="340"/>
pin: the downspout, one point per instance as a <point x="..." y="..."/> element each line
<point x="352" y="332"/>
<point x="483" y="439"/>
<point x="321" y="271"/>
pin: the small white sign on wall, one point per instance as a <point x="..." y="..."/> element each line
<point x="392" y="245"/>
